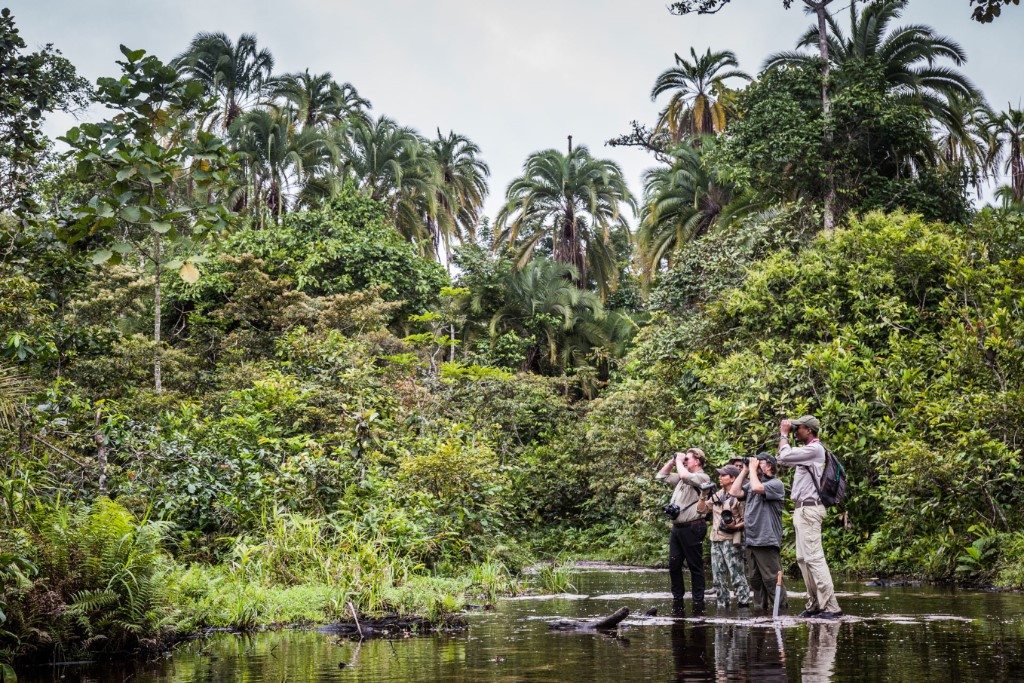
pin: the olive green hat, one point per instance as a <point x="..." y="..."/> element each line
<point x="808" y="421"/>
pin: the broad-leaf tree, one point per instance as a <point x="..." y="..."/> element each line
<point x="987" y="10"/>
<point x="820" y="10"/>
<point x="576" y="202"/>
<point x="984" y="11"/>
<point x="32" y="84"/>
<point x="159" y="172"/>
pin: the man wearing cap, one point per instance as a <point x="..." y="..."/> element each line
<point x="726" y="541"/>
<point x="764" y="495"/>
<point x="809" y="461"/>
<point x="686" y="538"/>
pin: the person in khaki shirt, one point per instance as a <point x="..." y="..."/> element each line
<point x="685" y="471"/>
<point x="727" y="562"/>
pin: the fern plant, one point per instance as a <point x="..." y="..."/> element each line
<point x="977" y="563"/>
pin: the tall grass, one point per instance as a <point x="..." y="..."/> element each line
<point x="555" y="578"/>
<point x="298" y="569"/>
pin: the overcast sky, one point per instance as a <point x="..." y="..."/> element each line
<point x="515" y="76"/>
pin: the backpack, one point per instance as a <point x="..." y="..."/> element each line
<point x="832" y="487"/>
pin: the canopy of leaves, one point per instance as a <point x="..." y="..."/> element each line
<point x="901" y="335"/>
<point x="347" y="245"/>
<point x="33" y="84"/>
<point x="882" y="155"/>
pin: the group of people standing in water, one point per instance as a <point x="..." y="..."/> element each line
<point x="745" y="511"/>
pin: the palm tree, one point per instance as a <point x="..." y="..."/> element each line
<point x="393" y="165"/>
<point x="569" y="325"/>
<point x="682" y="202"/>
<point x="961" y="138"/>
<point x="277" y="159"/>
<point x="318" y="99"/>
<point x="236" y="73"/>
<point x="699" y="103"/>
<point x="1006" y="136"/>
<point x="906" y="54"/>
<point x="462" y="188"/>
<point x="575" y="200"/>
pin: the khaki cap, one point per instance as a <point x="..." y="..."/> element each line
<point x="807" y="421"/>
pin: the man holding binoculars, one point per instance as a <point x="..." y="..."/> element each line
<point x="727" y="539"/>
<point x="764" y="495"/>
<point x="685" y="471"/>
<point x="808" y="458"/>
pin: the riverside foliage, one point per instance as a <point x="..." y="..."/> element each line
<point x="339" y="418"/>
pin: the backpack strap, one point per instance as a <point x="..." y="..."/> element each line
<point x="817" y="484"/>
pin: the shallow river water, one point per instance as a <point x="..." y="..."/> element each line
<point x="891" y="634"/>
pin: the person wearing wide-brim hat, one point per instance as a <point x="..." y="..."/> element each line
<point x="809" y="460"/>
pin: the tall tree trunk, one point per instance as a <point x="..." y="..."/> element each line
<point x="820" y="11"/>
<point x="567" y="244"/>
<point x="567" y="247"/>
<point x="101" y="455"/>
<point x="1017" y="169"/>
<point x="157" y="312"/>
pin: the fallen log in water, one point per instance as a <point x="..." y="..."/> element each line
<point x="608" y="622"/>
<point x="391" y="626"/>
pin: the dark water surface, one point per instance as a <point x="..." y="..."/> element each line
<point x="892" y="634"/>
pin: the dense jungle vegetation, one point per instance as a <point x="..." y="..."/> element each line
<point x="262" y="354"/>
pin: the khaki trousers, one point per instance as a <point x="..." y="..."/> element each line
<point x="811" y="558"/>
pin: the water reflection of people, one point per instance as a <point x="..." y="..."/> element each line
<point x="730" y="650"/>
<point x="820" y="660"/>
<point x="690" y="652"/>
<point x="749" y="654"/>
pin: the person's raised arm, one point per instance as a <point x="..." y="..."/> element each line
<point x="755" y="480"/>
<point x="736" y="490"/>
<point x="666" y="468"/>
<point x="789" y="456"/>
<point x="705" y="502"/>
